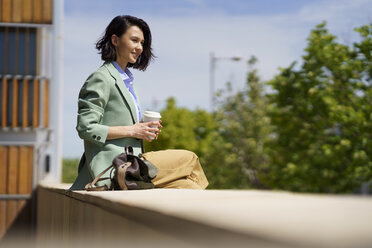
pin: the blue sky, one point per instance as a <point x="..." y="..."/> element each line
<point x="190" y="7"/>
<point x="186" y="31"/>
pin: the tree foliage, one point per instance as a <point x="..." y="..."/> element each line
<point x="243" y="128"/>
<point x="322" y="117"/>
<point x="311" y="133"/>
<point x="184" y="129"/>
<point x="230" y="142"/>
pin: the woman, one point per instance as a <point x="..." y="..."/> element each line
<point x="109" y="114"/>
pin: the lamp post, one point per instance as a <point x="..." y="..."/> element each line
<point x="213" y="59"/>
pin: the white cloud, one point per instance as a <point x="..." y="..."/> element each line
<point x="183" y="44"/>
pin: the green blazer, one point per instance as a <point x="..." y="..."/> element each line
<point x="104" y="101"/>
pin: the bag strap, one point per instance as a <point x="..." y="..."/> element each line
<point x="91" y="186"/>
<point x="128" y="150"/>
<point x="121" y="175"/>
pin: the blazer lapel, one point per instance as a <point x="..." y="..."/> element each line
<point x="123" y="89"/>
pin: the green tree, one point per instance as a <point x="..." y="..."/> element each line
<point x="238" y="155"/>
<point x="184" y="129"/>
<point x="321" y="115"/>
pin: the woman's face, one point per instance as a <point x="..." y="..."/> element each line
<point x="129" y="45"/>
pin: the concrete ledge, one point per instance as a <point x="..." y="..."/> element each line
<point x="195" y="218"/>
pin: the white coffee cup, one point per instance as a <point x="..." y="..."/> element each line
<point x="151" y="116"/>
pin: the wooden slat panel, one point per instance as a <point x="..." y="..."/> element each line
<point x="25" y="170"/>
<point x="30" y="168"/>
<point x="25" y="104"/>
<point x="13" y="161"/>
<point x="3" y="187"/>
<point x="15" y="103"/>
<point x="35" y="105"/>
<point x="47" y="11"/>
<point x="37" y="11"/>
<point x="27" y="11"/>
<point x="22" y="173"/>
<point x="6" y="10"/>
<point x="12" y="187"/>
<point x="3" y="169"/>
<point x="2" y="219"/>
<point x="26" y="175"/>
<point x="46" y="103"/>
<point x="23" y="176"/>
<point x="4" y="97"/>
<point x="17" y="10"/>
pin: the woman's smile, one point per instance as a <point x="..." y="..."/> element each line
<point x="135" y="55"/>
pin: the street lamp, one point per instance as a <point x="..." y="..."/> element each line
<point x="213" y="60"/>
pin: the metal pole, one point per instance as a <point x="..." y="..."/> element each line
<point x="212" y="62"/>
<point x="57" y="89"/>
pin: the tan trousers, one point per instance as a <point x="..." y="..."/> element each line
<point x="179" y="169"/>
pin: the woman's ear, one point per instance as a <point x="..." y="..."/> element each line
<point x="114" y="40"/>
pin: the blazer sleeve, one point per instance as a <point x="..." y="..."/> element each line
<point x="93" y="98"/>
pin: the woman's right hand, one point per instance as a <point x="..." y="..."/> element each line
<point x="146" y="130"/>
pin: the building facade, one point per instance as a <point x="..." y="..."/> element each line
<point x="30" y="102"/>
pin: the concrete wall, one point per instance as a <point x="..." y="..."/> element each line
<point x="195" y="218"/>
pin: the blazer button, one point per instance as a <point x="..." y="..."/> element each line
<point x="99" y="138"/>
<point x="94" y="136"/>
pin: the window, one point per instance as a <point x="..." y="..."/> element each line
<point x="18" y="49"/>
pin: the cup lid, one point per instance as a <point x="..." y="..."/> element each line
<point x="152" y="114"/>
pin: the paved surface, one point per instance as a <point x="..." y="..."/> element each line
<point x="306" y="220"/>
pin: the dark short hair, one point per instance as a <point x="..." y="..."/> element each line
<point x="119" y="26"/>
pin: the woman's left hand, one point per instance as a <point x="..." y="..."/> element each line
<point x="146" y="130"/>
